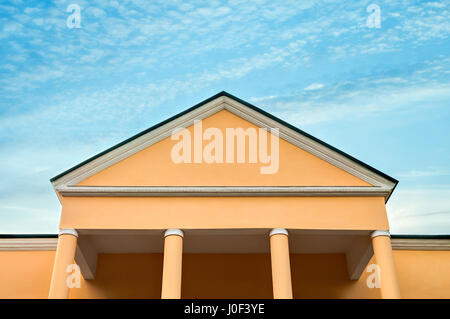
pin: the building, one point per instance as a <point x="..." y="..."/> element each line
<point x="184" y="209"/>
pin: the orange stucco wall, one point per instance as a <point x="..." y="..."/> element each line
<point x="423" y="274"/>
<point x="26" y="274"/>
<point x="348" y="213"/>
<point x="153" y="166"/>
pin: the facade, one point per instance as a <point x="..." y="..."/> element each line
<point x="224" y="201"/>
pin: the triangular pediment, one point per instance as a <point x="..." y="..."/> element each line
<point x="146" y="160"/>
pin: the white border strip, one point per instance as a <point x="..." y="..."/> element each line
<point x="420" y="244"/>
<point x="220" y="191"/>
<point x="21" y="244"/>
<point x="49" y="244"/>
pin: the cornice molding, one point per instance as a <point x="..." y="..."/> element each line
<point x="16" y="244"/>
<point x="221" y="191"/>
<point x="49" y="244"/>
<point x="420" y="244"/>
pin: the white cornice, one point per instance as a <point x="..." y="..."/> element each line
<point x="221" y="191"/>
<point x="329" y="155"/>
<point x="48" y="244"/>
<point x="14" y="244"/>
<point x="420" y="244"/>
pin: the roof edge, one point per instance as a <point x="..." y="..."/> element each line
<point x="226" y="94"/>
<point x="90" y="159"/>
<point x="28" y="236"/>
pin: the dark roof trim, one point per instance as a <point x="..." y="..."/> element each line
<point x="28" y="236"/>
<point x="223" y="93"/>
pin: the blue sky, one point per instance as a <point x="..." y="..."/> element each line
<point x="379" y="94"/>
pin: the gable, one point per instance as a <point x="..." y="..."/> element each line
<point x="142" y="166"/>
<point x="153" y="166"/>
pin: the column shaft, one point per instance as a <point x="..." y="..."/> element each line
<point x="384" y="258"/>
<point x="65" y="255"/>
<point x="281" y="268"/>
<point x="172" y="266"/>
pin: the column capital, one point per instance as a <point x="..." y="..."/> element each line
<point x="278" y="231"/>
<point x="380" y="233"/>
<point x="68" y="231"/>
<point x="177" y="232"/>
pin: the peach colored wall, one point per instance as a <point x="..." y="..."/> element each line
<point x="422" y="274"/>
<point x="25" y="274"/>
<point x="326" y="276"/>
<point x="153" y="166"/>
<point x="124" y="276"/>
<point x="348" y="213"/>
<point x="249" y="276"/>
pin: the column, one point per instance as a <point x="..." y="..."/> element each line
<point x="172" y="265"/>
<point x="281" y="268"/>
<point x="381" y="242"/>
<point x="65" y="255"/>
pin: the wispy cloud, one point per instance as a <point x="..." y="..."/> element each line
<point x="413" y="174"/>
<point x="427" y="87"/>
<point x="314" y="86"/>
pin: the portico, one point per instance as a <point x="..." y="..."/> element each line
<point x="355" y="245"/>
<point x="133" y="199"/>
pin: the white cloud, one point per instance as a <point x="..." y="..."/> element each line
<point x="314" y="86"/>
<point x="437" y="4"/>
<point x="96" y="12"/>
<point x="9" y="67"/>
<point x="264" y="98"/>
<point x="11" y="28"/>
